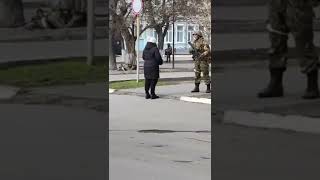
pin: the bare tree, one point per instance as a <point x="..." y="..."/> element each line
<point x="123" y="21"/>
<point x="200" y="12"/>
<point x="159" y="14"/>
<point x="11" y="13"/>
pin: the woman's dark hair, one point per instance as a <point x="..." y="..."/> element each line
<point x="150" y="45"/>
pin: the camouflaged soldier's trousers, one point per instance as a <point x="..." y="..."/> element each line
<point x="295" y="17"/>
<point x="201" y="66"/>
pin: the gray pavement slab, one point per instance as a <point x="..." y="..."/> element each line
<point x="40" y="142"/>
<point x="244" y="41"/>
<point x="29" y="51"/>
<point x="22" y="35"/>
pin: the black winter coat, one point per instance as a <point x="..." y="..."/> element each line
<point x="152" y="60"/>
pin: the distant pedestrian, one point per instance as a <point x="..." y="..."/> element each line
<point x="168" y="53"/>
<point x="152" y="60"/>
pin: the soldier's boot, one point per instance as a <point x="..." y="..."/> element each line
<point x="208" y="89"/>
<point x="275" y="87"/>
<point x="196" y="88"/>
<point x="312" y="91"/>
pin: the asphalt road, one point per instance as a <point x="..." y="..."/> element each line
<point x="172" y="154"/>
<point x="48" y="142"/>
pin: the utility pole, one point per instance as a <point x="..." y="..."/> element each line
<point x="173" y="31"/>
<point x="137" y="6"/>
<point x="138" y="44"/>
<point x="90" y="30"/>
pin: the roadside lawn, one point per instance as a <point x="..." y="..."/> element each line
<point x="66" y="71"/>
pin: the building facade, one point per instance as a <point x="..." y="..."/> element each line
<point x="183" y="34"/>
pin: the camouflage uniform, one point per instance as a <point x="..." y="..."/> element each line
<point x="201" y="64"/>
<point x="295" y="17"/>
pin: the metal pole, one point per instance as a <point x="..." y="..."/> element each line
<point x="90" y="31"/>
<point x="138" y="39"/>
<point x="173" y="50"/>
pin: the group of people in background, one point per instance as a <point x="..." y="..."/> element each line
<point x="59" y="14"/>
<point x="201" y="55"/>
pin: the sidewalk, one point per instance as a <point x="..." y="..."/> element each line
<point x="181" y="91"/>
<point x="167" y="75"/>
<point x="30" y="51"/>
<point x="246" y="19"/>
<point x="8" y="35"/>
<point x="237" y="104"/>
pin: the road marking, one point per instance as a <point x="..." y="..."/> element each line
<point x="196" y="100"/>
<point x="111" y="91"/>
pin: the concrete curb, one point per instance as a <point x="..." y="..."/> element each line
<point x="162" y="79"/>
<point x="196" y="100"/>
<point x="112" y="91"/>
<point x="295" y="123"/>
<point x="8" y="92"/>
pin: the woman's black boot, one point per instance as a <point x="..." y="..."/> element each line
<point x="153" y="88"/>
<point x="312" y="91"/>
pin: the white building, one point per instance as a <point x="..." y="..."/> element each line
<point x="183" y="34"/>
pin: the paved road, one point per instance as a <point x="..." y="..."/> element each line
<point x="154" y="156"/>
<point x="48" y="142"/>
<point x="251" y="154"/>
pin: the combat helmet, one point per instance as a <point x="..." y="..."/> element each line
<point x="199" y="33"/>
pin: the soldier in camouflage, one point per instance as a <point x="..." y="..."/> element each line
<point x="295" y="17"/>
<point x="201" y="63"/>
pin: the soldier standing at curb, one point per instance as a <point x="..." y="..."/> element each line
<point x="201" y="52"/>
<point x="295" y="17"/>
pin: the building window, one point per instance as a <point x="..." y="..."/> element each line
<point x="168" y="38"/>
<point x="180" y="34"/>
<point x="191" y="29"/>
<point x="154" y="34"/>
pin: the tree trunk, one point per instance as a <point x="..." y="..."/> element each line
<point x="161" y="34"/>
<point x="11" y="13"/>
<point x="112" y="58"/>
<point x="132" y="55"/>
<point x="160" y="40"/>
<point x="130" y="44"/>
<point x="112" y="55"/>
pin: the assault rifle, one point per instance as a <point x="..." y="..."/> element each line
<point x="195" y="53"/>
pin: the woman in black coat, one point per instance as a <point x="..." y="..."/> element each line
<point x="152" y="60"/>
